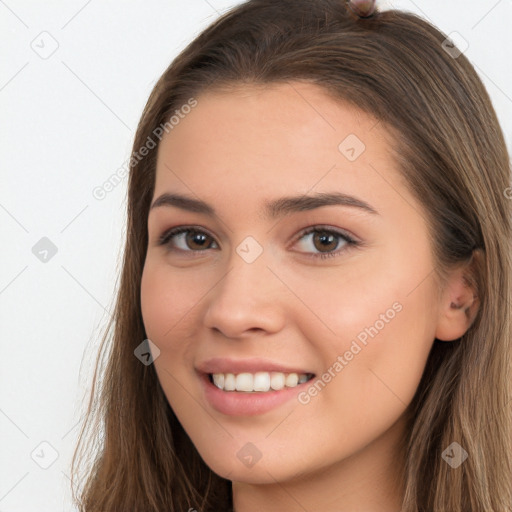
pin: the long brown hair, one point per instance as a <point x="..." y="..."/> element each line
<point x="133" y="452"/>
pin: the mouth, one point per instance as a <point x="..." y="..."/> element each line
<point x="250" y="394"/>
<point x="259" y="382"/>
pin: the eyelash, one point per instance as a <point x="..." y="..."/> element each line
<point x="168" y="235"/>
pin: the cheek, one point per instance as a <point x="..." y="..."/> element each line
<point x="373" y="330"/>
<point x="169" y="312"/>
<point x="169" y="300"/>
<point x="167" y="306"/>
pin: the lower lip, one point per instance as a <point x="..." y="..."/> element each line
<point x="235" y="403"/>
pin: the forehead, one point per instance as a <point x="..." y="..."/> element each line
<point x="293" y="113"/>
<point x="255" y="141"/>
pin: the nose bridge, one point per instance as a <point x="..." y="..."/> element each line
<point x="245" y="298"/>
<point x="247" y="278"/>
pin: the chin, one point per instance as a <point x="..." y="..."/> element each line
<point x="260" y="472"/>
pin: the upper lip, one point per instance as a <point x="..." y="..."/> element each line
<point x="227" y="365"/>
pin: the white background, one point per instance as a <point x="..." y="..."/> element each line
<point x="67" y="124"/>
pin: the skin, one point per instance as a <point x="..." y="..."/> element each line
<point x="235" y="151"/>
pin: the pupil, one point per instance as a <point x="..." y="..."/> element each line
<point x="325" y="239"/>
<point x="196" y="238"/>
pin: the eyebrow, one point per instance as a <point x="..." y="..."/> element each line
<point x="272" y="209"/>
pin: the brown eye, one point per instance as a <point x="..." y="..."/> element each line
<point x="196" y="240"/>
<point x="325" y="241"/>
<point x="321" y="242"/>
<point x="187" y="240"/>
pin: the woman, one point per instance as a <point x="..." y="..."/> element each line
<point x="314" y="309"/>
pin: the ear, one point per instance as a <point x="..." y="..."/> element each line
<point x="459" y="300"/>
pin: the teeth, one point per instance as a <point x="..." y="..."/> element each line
<point x="292" y="379"/>
<point x="259" y="381"/>
<point x="229" y="381"/>
<point x="244" y="382"/>
<point x="303" y="378"/>
<point x="277" y="380"/>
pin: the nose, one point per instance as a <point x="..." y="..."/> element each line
<point x="248" y="299"/>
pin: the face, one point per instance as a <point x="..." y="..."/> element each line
<point x="299" y="254"/>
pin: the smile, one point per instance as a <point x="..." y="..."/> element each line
<point x="258" y="382"/>
<point x="246" y="401"/>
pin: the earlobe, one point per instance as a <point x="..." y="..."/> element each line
<point x="459" y="303"/>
